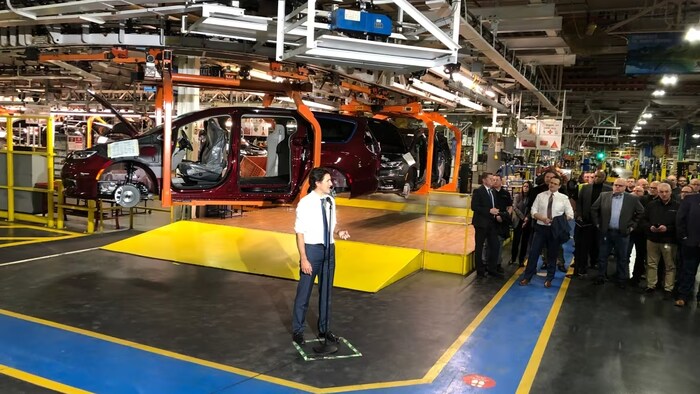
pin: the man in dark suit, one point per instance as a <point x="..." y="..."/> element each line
<point x="689" y="236"/>
<point x="486" y="212"/>
<point x="615" y="214"/>
<point x="585" y="233"/>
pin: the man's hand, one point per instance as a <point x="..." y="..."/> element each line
<point x="494" y="211"/>
<point x="499" y="219"/>
<point x="547" y="221"/>
<point x="343" y="234"/>
<point x="306" y="266"/>
<point x="663" y="229"/>
<point x="653" y="229"/>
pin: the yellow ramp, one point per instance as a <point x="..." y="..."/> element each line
<point x="359" y="266"/>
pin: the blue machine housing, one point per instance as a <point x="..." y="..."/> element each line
<point x="350" y="21"/>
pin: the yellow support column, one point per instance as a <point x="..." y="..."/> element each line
<point x="59" y="211"/>
<point x="663" y="168"/>
<point x="91" y="216"/>
<point x="10" y="171"/>
<point x="50" y="168"/>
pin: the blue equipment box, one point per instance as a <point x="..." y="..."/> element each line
<point x="360" y="22"/>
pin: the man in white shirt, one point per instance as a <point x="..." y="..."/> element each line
<point x="547" y="206"/>
<point x="315" y="226"/>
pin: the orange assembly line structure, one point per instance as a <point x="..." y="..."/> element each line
<point x="164" y="109"/>
<point x="411" y="110"/>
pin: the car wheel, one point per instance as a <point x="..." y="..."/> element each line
<point x="406" y="189"/>
<point x="127" y="196"/>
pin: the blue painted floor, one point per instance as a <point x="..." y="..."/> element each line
<point x="500" y="348"/>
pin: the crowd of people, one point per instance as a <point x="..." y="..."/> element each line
<point x="659" y="221"/>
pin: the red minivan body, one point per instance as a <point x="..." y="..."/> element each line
<point x="243" y="154"/>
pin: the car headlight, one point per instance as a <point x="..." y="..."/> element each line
<point x="392" y="164"/>
<point x="81" y="154"/>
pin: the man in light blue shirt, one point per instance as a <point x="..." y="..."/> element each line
<point x="615" y="214"/>
<point x="615" y="211"/>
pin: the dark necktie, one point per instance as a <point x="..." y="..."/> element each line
<point x="326" y="239"/>
<point x="549" y="205"/>
<point x="617" y="194"/>
<point x="493" y="205"/>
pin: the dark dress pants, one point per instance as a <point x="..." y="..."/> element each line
<point x="315" y="254"/>
<point x="691" y="260"/>
<point x="586" y="249"/>
<point x="489" y="236"/>
<point x="639" y="241"/>
<point x="614" y="239"/>
<point x="541" y="239"/>
<point x="521" y="238"/>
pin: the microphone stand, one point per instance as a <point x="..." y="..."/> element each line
<point x="326" y="348"/>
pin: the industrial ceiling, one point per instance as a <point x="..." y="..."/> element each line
<point x="562" y="58"/>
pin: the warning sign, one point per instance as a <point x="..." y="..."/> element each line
<point x="479" y="381"/>
<point x="540" y="134"/>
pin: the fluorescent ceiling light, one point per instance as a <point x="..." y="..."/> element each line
<point x="637" y="128"/>
<point x="263" y="75"/>
<point x="432" y="89"/>
<point x="693" y="34"/>
<point x="658" y="93"/>
<point x="647" y="115"/>
<point x="642" y="122"/>
<point x="635" y="131"/>
<point x="633" y="141"/>
<point x="696" y="136"/>
<point x="669" y="80"/>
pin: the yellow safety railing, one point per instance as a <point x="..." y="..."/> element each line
<point x="91" y="209"/>
<point x="48" y="152"/>
<point x="462" y="263"/>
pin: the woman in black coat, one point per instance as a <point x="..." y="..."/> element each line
<point x="521" y="225"/>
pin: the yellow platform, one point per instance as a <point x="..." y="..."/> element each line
<point x="441" y="205"/>
<point x="359" y="266"/>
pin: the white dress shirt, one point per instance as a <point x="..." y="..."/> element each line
<point x="560" y="205"/>
<point x="309" y="219"/>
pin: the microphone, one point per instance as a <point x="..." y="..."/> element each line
<point x="328" y="200"/>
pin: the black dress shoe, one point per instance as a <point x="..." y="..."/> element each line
<point x="298" y="338"/>
<point x="329" y="336"/>
<point x="561" y="268"/>
<point x="496" y="274"/>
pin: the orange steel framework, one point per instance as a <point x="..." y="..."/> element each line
<point x="114" y="55"/>
<point x="415" y="110"/>
<point x="164" y="106"/>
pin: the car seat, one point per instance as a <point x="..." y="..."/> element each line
<point x="212" y="158"/>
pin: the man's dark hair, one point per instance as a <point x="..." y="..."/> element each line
<point x="317" y="175"/>
<point x="484" y="175"/>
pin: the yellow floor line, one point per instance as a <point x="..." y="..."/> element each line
<point x="47" y="229"/>
<point x="450" y="352"/>
<point x="39" y="381"/>
<point x="22" y="238"/>
<point x="534" y="364"/>
<point x="428" y="378"/>
<point x="42" y="239"/>
<point x="161" y="352"/>
<point x="33" y="227"/>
